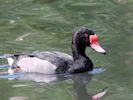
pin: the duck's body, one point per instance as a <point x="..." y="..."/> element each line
<point x="43" y="62"/>
<point x="51" y="62"/>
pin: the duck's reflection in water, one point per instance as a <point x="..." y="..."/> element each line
<point x="80" y="90"/>
<point x="79" y="83"/>
<point x="79" y="86"/>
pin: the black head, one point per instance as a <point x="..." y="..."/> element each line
<point x="85" y="37"/>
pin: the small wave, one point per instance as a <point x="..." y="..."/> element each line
<point x="97" y="71"/>
<point x="4" y="66"/>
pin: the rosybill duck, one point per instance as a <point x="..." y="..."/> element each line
<point x="54" y="62"/>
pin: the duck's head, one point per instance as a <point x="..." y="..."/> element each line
<point x="85" y="37"/>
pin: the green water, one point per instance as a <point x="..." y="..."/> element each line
<point x="49" y="24"/>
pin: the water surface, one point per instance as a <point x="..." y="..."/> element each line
<point x="28" y="25"/>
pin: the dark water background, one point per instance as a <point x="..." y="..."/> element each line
<point x="48" y="25"/>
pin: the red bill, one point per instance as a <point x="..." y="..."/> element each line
<point x="95" y="45"/>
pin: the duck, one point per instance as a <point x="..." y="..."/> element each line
<point x="55" y="62"/>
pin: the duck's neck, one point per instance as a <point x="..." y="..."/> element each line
<point x="81" y="62"/>
<point x="78" y="51"/>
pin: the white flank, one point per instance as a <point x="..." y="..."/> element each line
<point x="36" y="65"/>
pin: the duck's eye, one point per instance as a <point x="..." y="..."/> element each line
<point x="86" y="35"/>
